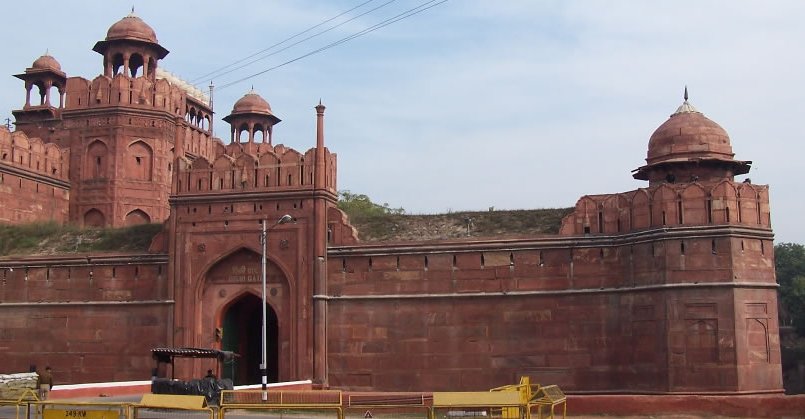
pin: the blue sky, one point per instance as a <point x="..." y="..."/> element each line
<point x="474" y="104"/>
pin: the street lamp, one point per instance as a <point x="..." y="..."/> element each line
<point x="263" y="239"/>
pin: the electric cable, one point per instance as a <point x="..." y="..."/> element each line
<point x="216" y="72"/>
<point x="408" y="13"/>
<point x="300" y="41"/>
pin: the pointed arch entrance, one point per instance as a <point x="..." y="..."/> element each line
<point x="231" y="310"/>
<point x="242" y="334"/>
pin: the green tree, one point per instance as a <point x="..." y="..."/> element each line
<point x="789" y="264"/>
<point x="359" y="206"/>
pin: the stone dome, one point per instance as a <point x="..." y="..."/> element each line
<point x="252" y="107"/>
<point x="688" y="135"/>
<point x="252" y="103"/>
<point x="46" y="62"/>
<point x="131" y="27"/>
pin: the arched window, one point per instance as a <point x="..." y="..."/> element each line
<point x="95" y="161"/>
<point x="135" y="63"/>
<point x="140" y="165"/>
<point x="242" y="135"/>
<point x="117" y="64"/>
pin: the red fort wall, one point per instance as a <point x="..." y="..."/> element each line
<point x="33" y="179"/>
<point x="89" y="318"/>
<point x="665" y="289"/>
<point x="633" y="306"/>
<point x="671" y="204"/>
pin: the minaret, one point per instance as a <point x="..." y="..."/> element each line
<point x="120" y="140"/>
<point x="321" y="179"/>
<point x="689" y="146"/>
<point x="130" y="45"/>
<point x="251" y="114"/>
<point x="38" y="119"/>
<point x="320" y="249"/>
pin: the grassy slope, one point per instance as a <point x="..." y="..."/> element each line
<point x="51" y="238"/>
<point x="483" y="224"/>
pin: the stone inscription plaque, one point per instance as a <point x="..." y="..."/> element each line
<point x="243" y="267"/>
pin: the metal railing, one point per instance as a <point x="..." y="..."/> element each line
<point x="522" y="401"/>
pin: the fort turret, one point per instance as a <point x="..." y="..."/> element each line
<point x="40" y="118"/>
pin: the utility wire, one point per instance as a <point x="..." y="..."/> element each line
<point x="215" y="73"/>
<point x="300" y="41"/>
<point x="408" y="13"/>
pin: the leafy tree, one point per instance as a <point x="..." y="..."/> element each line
<point x="359" y="206"/>
<point x="789" y="264"/>
<point x="794" y="301"/>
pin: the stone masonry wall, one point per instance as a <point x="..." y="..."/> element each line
<point x="33" y="180"/>
<point x="91" y="319"/>
<point x="678" y="204"/>
<point x="654" y="312"/>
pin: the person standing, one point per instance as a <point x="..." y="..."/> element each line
<point x="45" y="383"/>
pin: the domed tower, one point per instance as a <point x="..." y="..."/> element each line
<point x="40" y="119"/>
<point x="689" y="147"/>
<point x="252" y="114"/>
<point x="130" y="45"/>
<point x="122" y="129"/>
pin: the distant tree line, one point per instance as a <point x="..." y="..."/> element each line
<point x="359" y="206"/>
<point x="789" y="263"/>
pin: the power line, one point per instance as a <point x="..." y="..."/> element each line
<point x="404" y="15"/>
<point x="218" y="71"/>
<point x="305" y="39"/>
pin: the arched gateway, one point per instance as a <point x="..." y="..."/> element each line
<point x="241" y="333"/>
<point x="231" y="307"/>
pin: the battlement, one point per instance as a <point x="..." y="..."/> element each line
<point x="122" y="90"/>
<point x="140" y="93"/>
<point x="33" y="179"/>
<point x="200" y="143"/>
<point x="671" y="204"/>
<point x="237" y="170"/>
<point x="32" y="155"/>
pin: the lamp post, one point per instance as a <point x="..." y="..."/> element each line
<point x="263" y="240"/>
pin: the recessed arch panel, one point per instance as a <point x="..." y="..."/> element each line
<point x="137" y="217"/>
<point x="94" y="218"/>
<point x="140" y="161"/>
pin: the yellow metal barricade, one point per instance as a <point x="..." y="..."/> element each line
<point x="525" y="389"/>
<point x="78" y="410"/>
<point x="19" y="408"/>
<point x="548" y="397"/>
<point x="278" y="404"/>
<point x="386" y="405"/>
<point x="386" y="412"/>
<point x="170" y="406"/>
<point x="501" y="404"/>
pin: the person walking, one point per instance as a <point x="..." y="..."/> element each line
<point x="45" y="383"/>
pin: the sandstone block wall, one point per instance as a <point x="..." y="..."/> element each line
<point x="33" y="180"/>
<point x="671" y="205"/>
<point x="89" y="320"/>
<point x="237" y="170"/>
<point x="661" y="311"/>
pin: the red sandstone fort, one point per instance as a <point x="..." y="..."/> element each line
<point x="669" y="288"/>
